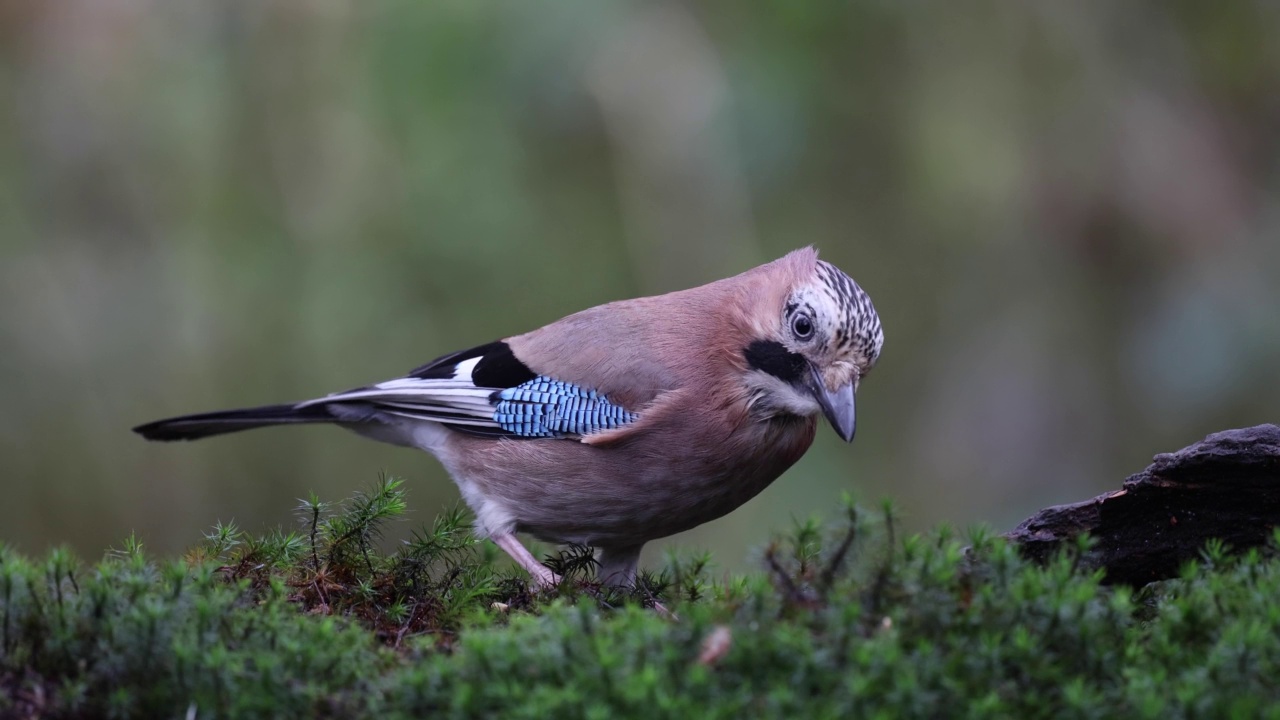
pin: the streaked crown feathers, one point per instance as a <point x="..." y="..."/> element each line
<point x="846" y="328"/>
<point x="859" y="325"/>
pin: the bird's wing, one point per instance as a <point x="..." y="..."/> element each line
<point x="487" y="390"/>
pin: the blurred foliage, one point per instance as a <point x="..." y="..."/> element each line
<point x="847" y="621"/>
<point x="1066" y="213"/>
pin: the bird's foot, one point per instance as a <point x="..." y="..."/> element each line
<point x="542" y="576"/>
<point x="664" y="612"/>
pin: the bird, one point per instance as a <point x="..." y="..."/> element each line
<point x="622" y="423"/>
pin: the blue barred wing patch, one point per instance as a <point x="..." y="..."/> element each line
<point x="543" y="407"/>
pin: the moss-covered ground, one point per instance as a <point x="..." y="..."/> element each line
<point x="843" y="619"/>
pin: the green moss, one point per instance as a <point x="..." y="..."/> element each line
<point x="842" y="621"/>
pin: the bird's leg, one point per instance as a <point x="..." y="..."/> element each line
<point x="542" y="575"/>
<point x="618" y="569"/>
<point x="618" y="566"/>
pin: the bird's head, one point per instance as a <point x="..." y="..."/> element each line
<point x="814" y="347"/>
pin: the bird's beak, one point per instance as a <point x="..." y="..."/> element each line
<point x="837" y="405"/>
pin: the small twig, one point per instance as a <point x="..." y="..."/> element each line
<point x="320" y="593"/>
<point x="788" y="585"/>
<point x="828" y="577"/>
<point x="315" y="526"/>
<point x="407" y="623"/>
<point x="364" y="550"/>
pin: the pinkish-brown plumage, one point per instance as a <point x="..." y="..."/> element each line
<point x="722" y="384"/>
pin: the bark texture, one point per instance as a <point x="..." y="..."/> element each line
<point x="1226" y="486"/>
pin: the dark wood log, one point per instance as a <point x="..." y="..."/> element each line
<point x="1226" y="486"/>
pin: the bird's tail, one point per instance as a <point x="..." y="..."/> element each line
<point x="194" y="427"/>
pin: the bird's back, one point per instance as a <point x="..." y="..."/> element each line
<point x="634" y="350"/>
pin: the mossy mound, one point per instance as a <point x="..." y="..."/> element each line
<point x="843" y="621"/>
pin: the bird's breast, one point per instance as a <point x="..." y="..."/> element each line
<point x="654" y="484"/>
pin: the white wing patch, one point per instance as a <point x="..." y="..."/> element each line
<point x="456" y="400"/>
<point x="465" y="368"/>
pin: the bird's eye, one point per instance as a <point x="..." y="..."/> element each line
<point x="802" y="326"/>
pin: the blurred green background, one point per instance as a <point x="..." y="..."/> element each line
<point x="1066" y="213"/>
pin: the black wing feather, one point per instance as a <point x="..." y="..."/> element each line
<point x="442" y="367"/>
<point x="498" y="368"/>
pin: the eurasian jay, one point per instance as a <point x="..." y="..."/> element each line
<point x="623" y="423"/>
